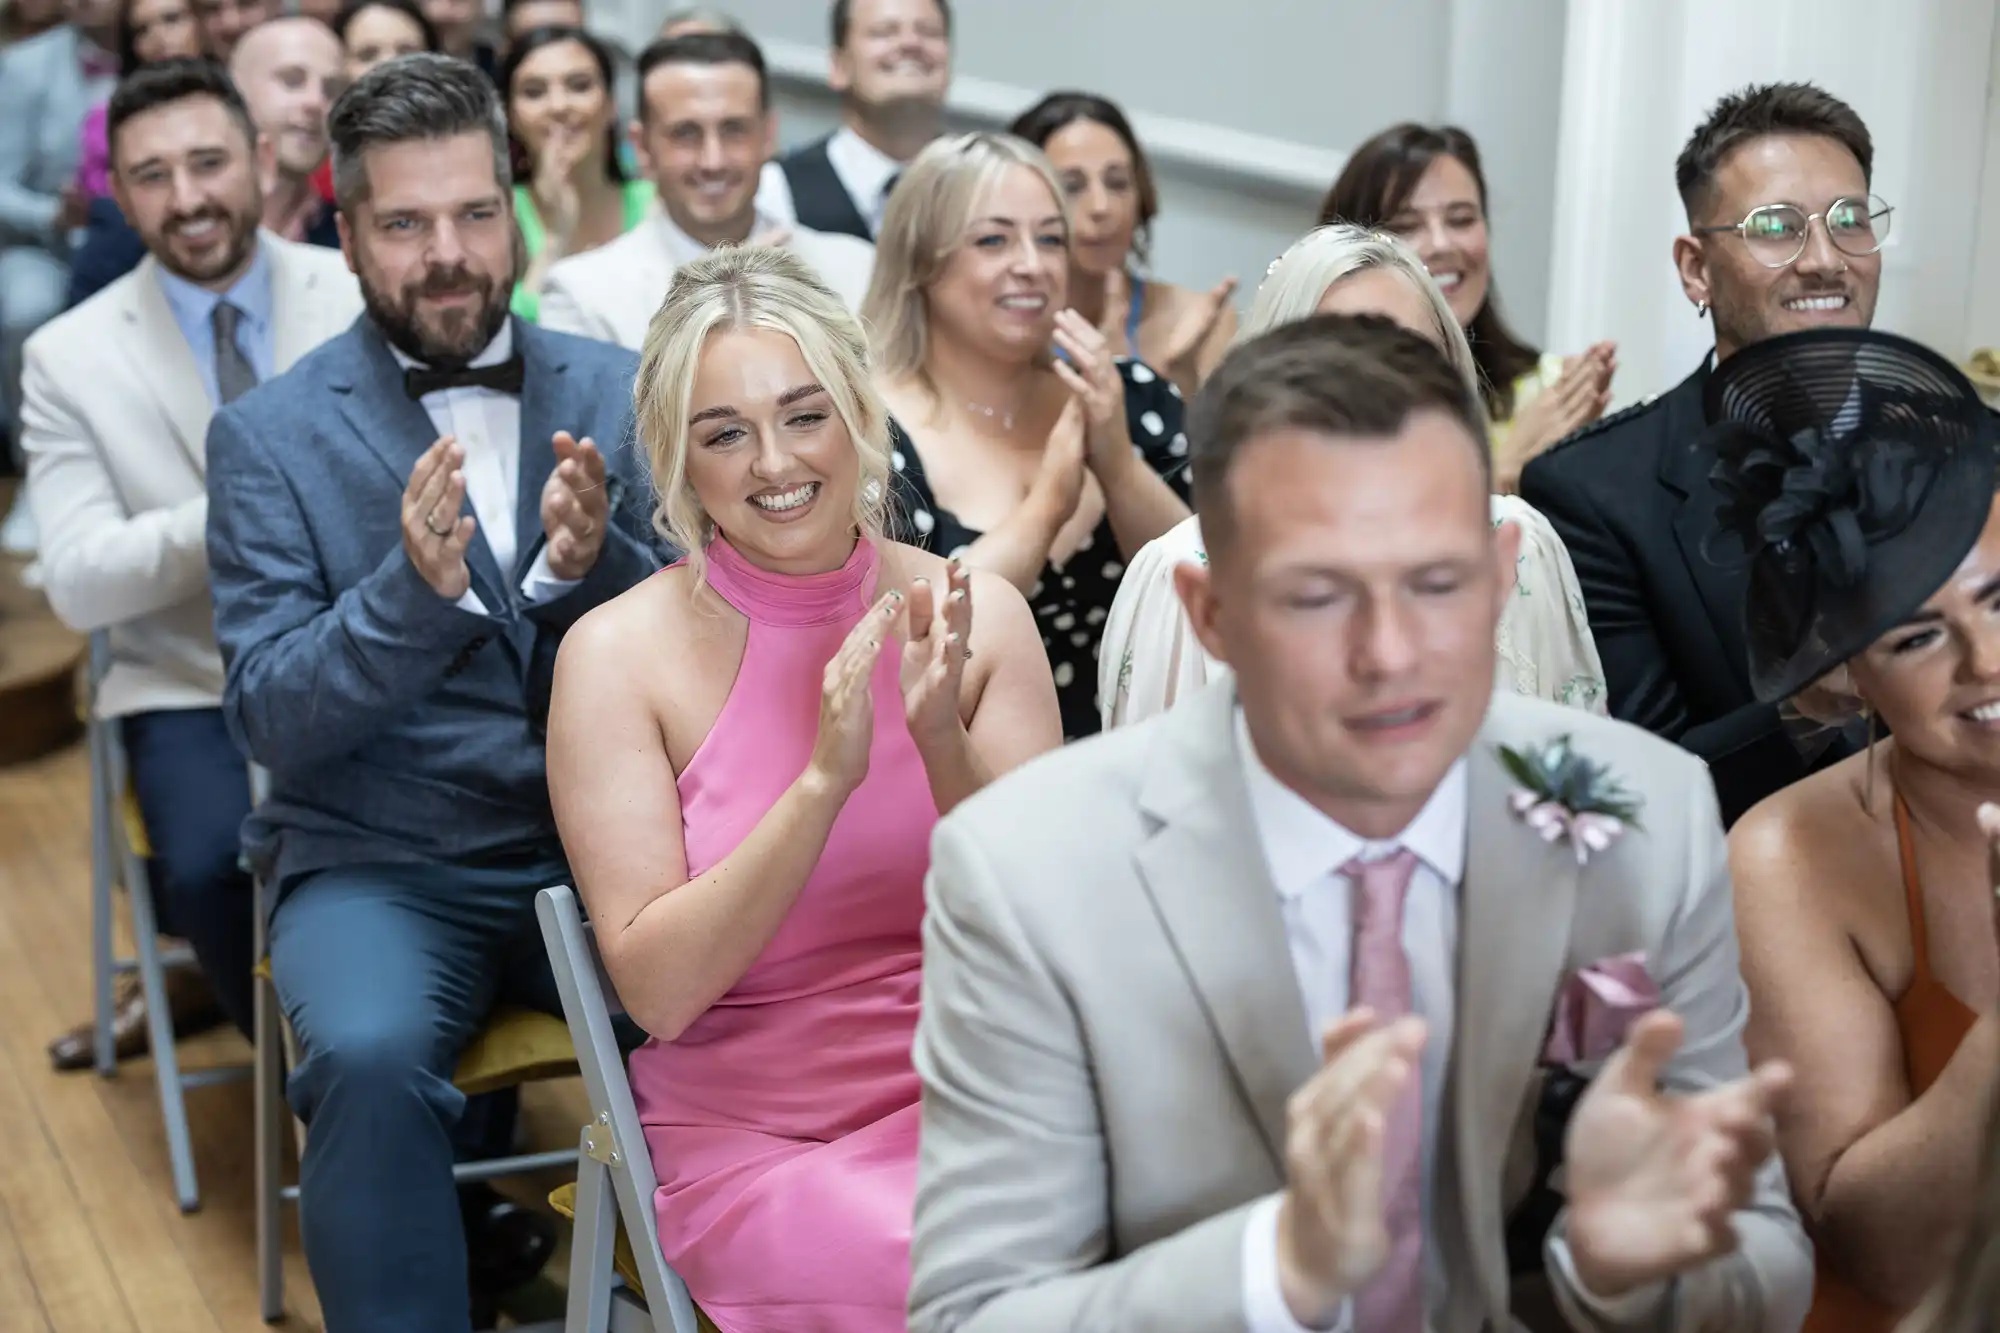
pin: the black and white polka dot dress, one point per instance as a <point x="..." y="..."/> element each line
<point x="1070" y="602"/>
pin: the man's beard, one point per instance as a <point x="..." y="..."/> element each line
<point x="446" y="340"/>
<point x="240" y="222"/>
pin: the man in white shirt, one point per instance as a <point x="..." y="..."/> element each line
<point x="704" y="126"/>
<point x="891" y="66"/>
<point x="400" y="530"/>
<point x="1251" y="1016"/>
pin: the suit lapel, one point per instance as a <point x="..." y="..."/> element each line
<point x="296" y="300"/>
<point x="166" y="364"/>
<point x="1210" y="884"/>
<point x="543" y="413"/>
<point x="1516" y="907"/>
<point x="1684" y="469"/>
<point x="396" y="430"/>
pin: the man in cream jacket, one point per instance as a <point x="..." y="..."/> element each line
<point x="704" y="130"/>
<point x="117" y="395"/>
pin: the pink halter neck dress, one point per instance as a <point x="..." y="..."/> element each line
<point x="783" y="1122"/>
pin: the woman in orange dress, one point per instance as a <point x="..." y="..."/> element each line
<point x="1858" y="470"/>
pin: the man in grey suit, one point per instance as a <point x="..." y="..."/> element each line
<point x="399" y="531"/>
<point x="1248" y="1017"/>
<point x="47" y="85"/>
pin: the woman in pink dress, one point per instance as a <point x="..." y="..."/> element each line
<point x="747" y="754"/>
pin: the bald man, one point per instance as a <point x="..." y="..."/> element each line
<point x="281" y="66"/>
<point x="289" y="70"/>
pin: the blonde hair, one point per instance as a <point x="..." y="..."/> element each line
<point x="1298" y="280"/>
<point x="924" y="226"/>
<point x="752" y="287"/>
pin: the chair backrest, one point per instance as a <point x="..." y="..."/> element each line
<point x="589" y="1001"/>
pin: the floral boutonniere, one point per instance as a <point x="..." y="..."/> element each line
<point x="1564" y="795"/>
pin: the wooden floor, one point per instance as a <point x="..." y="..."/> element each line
<point x="91" y="1240"/>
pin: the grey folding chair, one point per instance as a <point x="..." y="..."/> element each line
<point x="614" y="1171"/>
<point x="535" y="1058"/>
<point x="117" y="858"/>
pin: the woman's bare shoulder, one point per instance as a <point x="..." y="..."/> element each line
<point x="1813" y="836"/>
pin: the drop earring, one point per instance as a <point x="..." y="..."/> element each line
<point x="1701" y="310"/>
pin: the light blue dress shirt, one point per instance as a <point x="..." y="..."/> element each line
<point x="193" y="308"/>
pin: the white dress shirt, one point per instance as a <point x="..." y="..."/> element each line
<point x="487" y="425"/>
<point x="864" y="170"/>
<point x="1304" y="851"/>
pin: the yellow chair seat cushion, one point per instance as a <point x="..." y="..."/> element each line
<point x="135" y="827"/>
<point x="563" y="1200"/>
<point x="516" y="1046"/>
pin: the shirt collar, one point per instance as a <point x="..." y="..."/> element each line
<point x="496" y="351"/>
<point x="683" y="248"/>
<point x="251" y="294"/>
<point x="1302" y="845"/>
<point x="866" y="167"/>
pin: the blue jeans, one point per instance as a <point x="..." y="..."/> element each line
<point x="193" y="790"/>
<point x="385" y="972"/>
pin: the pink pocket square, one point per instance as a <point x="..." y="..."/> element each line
<point x="1595" y="1007"/>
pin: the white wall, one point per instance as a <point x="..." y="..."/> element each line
<point x="1247" y="108"/>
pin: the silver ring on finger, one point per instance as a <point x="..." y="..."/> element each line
<point x="433" y="528"/>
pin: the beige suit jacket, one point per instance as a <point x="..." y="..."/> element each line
<point x="1111" y="1025"/>
<point x="115" y="424"/>
<point x="612" y="293"/>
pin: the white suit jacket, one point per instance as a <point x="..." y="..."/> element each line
<point x="612" y="293"/>
<point x="115" y="424"/>
<point x="1111" y="1026"/>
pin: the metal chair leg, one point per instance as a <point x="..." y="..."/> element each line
<point x="270" y="1116"/>
<point x="102" y="872"/>
<point x="591" y="1271"/>
<point x="160" y="1033"/>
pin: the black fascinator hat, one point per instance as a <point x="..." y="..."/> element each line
<point x="1855" y="471"/>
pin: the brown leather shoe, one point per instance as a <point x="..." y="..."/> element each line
<point x="189" y="996"/>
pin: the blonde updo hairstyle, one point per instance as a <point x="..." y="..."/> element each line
<point x="1298" y="280"/>
<point x="924" y="226"/>
<point x="752" y="287"/>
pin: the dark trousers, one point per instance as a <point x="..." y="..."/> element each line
<point x="384" y="973"/>
<point x="193" y="790"/>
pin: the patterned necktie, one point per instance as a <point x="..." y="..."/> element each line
<point x="234" y="376"/>
<point x="1393" y="1301"/>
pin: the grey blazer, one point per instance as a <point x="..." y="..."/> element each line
<point x="396" y="726"/>
<point x="44" y="96"/>
<point x="1111" y="1026"/>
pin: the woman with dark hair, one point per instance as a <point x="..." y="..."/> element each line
<point x="1426" y="186"/>
<point x="372" y="31"/>
<point x="1857" y="471"/>
<point x="572" y="192"/>
<point x="148" y="31"/>
<point x="1112" y="202"/>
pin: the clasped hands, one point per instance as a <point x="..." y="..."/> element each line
<point x="1652" y="1177"/>
<point x="575" y="511"/>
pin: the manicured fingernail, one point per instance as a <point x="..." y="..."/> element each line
<point x="958" y="596"/>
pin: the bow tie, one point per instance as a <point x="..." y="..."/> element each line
<point x="502" y="378"/>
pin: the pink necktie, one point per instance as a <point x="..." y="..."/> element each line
<point x="1393" y="1301"/>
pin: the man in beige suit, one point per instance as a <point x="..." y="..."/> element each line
<point x="1255" y="1016"/>
<point x="117" y="399"/>
<point x="704" y="130"/>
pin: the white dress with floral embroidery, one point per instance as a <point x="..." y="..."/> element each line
<point x="1150" y="656"/>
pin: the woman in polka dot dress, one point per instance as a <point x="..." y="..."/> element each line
<point x="1050" y="472"/>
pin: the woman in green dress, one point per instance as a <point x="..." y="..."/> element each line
<point x="572" y="192"/>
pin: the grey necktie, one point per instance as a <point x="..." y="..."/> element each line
<point x="234" y="375"/>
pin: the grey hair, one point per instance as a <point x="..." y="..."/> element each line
<point x="421" y="96"/>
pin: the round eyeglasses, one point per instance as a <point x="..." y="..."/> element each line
<point x="1776" y="234"/>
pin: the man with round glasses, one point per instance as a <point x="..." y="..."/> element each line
<point x="1784" y="233"/>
